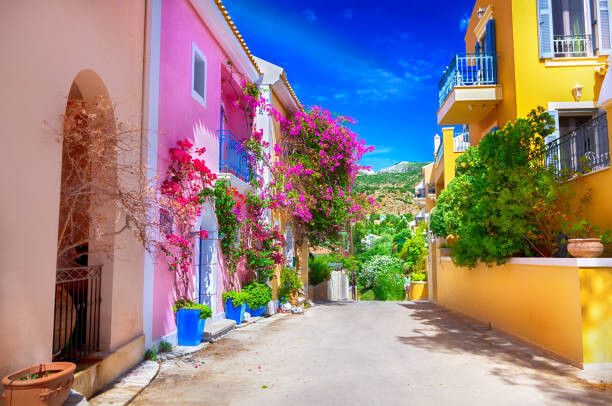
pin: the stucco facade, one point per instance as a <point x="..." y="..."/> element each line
<point x="49" y="49"/>
<point x="189" y="28"/>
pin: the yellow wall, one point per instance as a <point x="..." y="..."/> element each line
<point x="537" y="84"/>
<point x="595" y="288"/>
<point x="450" y="156"/>
<point x="538" y="304"/>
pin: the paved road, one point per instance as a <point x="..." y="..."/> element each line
<point x="368" y="353"/>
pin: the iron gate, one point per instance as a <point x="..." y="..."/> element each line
<point x="76" y="325"/>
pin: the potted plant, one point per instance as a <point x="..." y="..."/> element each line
<point x="190" y="320"/>
<point x="235" y="305"/>
<point x="418" y="285"/>
<point x="290" y="284"/>
<point x="43" y="384"/>
<point x="586" y="240"/>
<point x="259" y="294"/>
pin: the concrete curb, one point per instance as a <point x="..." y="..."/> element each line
<point x="122" y="391"/>
<point x="180" y="351"/>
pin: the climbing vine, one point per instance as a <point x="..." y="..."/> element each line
<point x="181" y="200"/>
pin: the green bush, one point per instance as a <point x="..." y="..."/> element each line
<point x="164" y="346"/>
<point x="418" y="277"/>
<point x="238" y="297"/>
<point x="151" y="354"/>
<point x="504" y="200"/>
<point x="290" y="283"/>
<point x="205" y="311"/>
<point x="258" y="295"/>
<point x="384" y="275"/>
<point x="318" y="270"/>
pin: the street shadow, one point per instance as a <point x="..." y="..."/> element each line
<point x="448" y="332"/>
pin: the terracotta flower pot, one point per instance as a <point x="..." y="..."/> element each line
<point x="585" y="247"/>
<point x="49" y="390"/>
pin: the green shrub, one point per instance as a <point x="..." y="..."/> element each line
<point x="318" y="270"/>
<point x="418" y="277"/>
<point x="505" y="201"/>
<point x="238" y="297"/>
<point x="290" y="283"/>
<point x="205" y="311"/>
<point x="151" y="354"/>
<point x="259" y="294"/>
<point x="384" y="274"/>
<point x="164" y="346"/>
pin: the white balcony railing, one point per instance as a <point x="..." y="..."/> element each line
<point x="571" y="46"/>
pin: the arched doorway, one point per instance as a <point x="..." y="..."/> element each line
<point x="79" y="277"/>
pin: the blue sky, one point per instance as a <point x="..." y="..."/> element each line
<point x="376" y="61"/>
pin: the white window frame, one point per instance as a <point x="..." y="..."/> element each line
<point x="195" y="51"/>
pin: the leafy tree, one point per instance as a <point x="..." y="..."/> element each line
<point x="504" y="201"/>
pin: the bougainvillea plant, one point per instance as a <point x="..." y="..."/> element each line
<point x="313" y="169"/>
<point x="181" y="203"/>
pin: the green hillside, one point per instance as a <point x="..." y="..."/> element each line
<point x="394" y="192"/>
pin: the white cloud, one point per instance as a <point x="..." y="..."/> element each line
<point x="380" y="150"/>
<point x="310" y="15"/>
<point x="348" y="13"/>
<point x="463" y="22"/>
<point x="339" y="95"/>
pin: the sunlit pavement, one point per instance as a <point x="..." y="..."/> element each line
<point x="369" y="353"/>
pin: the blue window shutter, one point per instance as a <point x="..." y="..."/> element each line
<point x="545" y="28"/>
<point x="555" y="135"/>
<point x="603" y="27"/>
<point x="477" y="50"/>
<point x="490" y="36"/>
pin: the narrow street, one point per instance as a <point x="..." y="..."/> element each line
<point x="368" y="353"/>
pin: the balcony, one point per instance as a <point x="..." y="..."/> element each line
<point x="572" y="46"/>
<point x="469" y="89"/>
<point x="234" y="161"/>
<point x="461" y="142"/>
<point x="581" y="151"/>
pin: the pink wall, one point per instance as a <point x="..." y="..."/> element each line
<point x="181" y="116"/>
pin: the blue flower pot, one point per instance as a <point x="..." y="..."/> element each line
<point x="234" y="313"/>
<point x="189" y="327"/>
<point x="256" y="312"/>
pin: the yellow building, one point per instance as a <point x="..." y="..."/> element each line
<point x="521" y="54"/>
<point x="278" y="92"/>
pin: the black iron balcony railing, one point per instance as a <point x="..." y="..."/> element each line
<point x="431" y="188"/>
<point x="582" y="150"/>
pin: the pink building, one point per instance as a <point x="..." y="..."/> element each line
<point x="191" y="96"/>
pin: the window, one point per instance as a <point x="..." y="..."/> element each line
<point x="574" y="28"/>
<point x="198" y="75"/>
<point x="572" y="34"/>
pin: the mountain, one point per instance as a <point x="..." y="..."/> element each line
<point x="402" y="167"/>
<point x="392" y="187"/>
